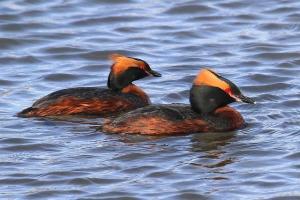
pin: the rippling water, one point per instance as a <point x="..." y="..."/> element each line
<point x="50" y="45"/>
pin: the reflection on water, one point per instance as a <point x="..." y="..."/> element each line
<point x="210" y="141"/>
<point x="212" y="155"/>
<point x="50" y="45"/>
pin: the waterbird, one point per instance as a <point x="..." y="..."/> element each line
<point x="120" y="95"/>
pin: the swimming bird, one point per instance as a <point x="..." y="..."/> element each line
<point x="120" y="95"/>
<point x="208" y="111"/>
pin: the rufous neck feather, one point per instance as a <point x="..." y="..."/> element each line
<point x="133" y="89"/>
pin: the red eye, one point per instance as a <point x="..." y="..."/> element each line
<point x="228" y="91"/>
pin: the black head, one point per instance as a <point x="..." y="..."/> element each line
<point x="125" y="70"/>
<point x="211" y="91"/>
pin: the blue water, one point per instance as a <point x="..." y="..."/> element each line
<point x="51" y="45"/>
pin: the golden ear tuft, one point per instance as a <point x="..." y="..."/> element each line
<point x="122" y="63"/>
<point x="209" y="77"/>
<point x="115" y="57"/>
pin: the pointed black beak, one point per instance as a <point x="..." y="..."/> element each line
<point x="154" y="73"/>
<point x="244" y="99"/>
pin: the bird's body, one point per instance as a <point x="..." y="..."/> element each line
<point x="173" y="119"/>
<point x="85" y="100"/>
<point x="208" y="111"/>
<point x="119" y="96"/>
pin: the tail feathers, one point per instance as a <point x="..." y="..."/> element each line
<point x="28" y="112"/>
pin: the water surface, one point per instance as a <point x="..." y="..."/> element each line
<point x="51" y="45"/>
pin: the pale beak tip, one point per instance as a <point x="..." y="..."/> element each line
<point x="242" y="98"/>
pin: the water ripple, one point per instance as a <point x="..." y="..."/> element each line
<point x="51" y="45"/>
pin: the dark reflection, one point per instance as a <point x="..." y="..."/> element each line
<point x="206" y="142"/>
<point x="131" y="139"/>
<point x="213" y="157"/>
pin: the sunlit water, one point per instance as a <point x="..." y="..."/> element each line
<point x="50" y="45"/>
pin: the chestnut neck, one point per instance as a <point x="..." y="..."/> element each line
<point x="133" y="89"/>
